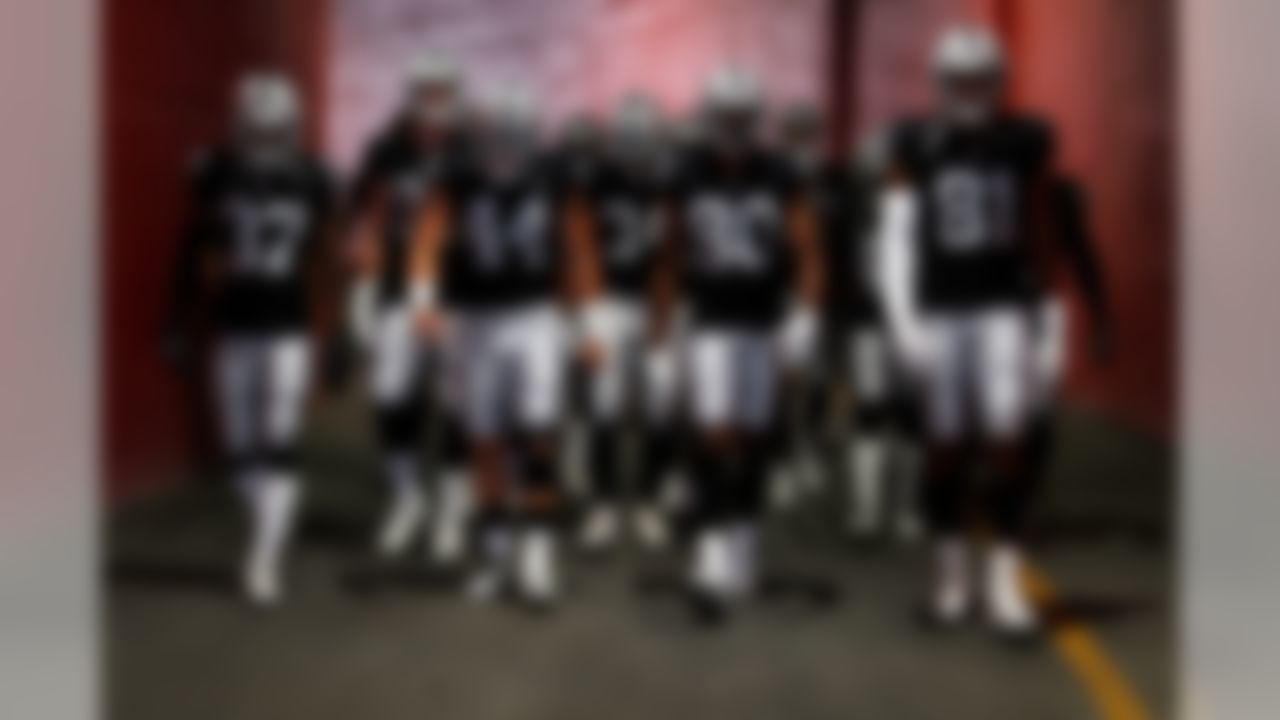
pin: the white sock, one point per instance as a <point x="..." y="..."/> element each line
<point x="449" y="539"/>
<point x="273" y="505"/>
<point x="867" y="458"/>
<point x="952" y="589"/>
<point x="537" y="564"/>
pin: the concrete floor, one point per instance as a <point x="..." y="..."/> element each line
<point x="621" y="647"/>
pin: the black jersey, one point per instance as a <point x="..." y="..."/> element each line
<point x="504" y="247"/>
<point x="627" y="204"/>
<point x="975" y="191"/>
<point x="265" y="223"/>
<point x="737" y="259"/>
<point x="403" y="171"/>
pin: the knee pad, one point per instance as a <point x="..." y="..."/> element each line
<point x="400" y="425"/>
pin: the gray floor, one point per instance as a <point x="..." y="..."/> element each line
<point x="180" y="646"/>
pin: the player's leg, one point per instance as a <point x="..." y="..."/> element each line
<point x="757" y="376"/>
<point x="712" y="384"/>
<point x="287" y="365"/>
<point x="608" y="390"/>
<point x="485" y="387"/>
<point x="943" y="389"/>
<point x="658" y="463"/>
<point x="453" y="490"/>
<point x="1004" y="395"/>
<point x="237" y="375"/>
<point x="539" y="349"/>
<point x="869" y="445"/>
<point x="399" y="409"/>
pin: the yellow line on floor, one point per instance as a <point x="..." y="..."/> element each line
<point x="1113" y="696"/>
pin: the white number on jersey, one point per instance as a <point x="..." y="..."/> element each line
<point x="635" y="231"/>
<point x="521" y="238"/>
<point x="975" y="209"/>
<point x="266" y="236"/>
<point x="729" y="233"/>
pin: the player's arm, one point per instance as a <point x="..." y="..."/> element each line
<point x="664" y="289"/>
<point x="426" y="253"/>
<point x="188" y="277"/>
<point x="1075" y="241"/>
<point x="804" y="235"/>
<point x="896" y="252"/>
<point x="359" y="251"/>
<point x="583" y="275"/>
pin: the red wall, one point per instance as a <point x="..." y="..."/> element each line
<point x="1104" y="70"/>
<point x="578" y="54"/>
<point x="169" y="70"/>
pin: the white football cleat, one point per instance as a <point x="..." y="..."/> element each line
<point x="261" y="583"/>
<point x="402" y="521"/>
<point x="1009" y="610"/>
<point x="651" y="528"/>
<point x="536" y="572"/>
<point x="712" y="571"/>
<point x="600" y="528"/>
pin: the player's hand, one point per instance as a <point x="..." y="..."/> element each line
<point x="429" y="324"/>
<point x="591" y="354"/>
<point x="798" y="339"/>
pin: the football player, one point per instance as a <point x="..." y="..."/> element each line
<point x="882" y="457"/>
<point x="396" y="176"/>
<point x="498" y="247"/>
<point x="965" y="204"/>
<point x="800" y="470"/>
<point x="256" y="241"/>
<point x="627" y="201"/>
<point x="743" y="252"/>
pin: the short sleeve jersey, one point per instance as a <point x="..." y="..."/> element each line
<point x="732" y="222"/>
<point x="975" y="188"/>
<point x="265" y="225"/>
<point x="404" y="172"/>
<point x="504" y="247"/>
<point x="628" y="208"/>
